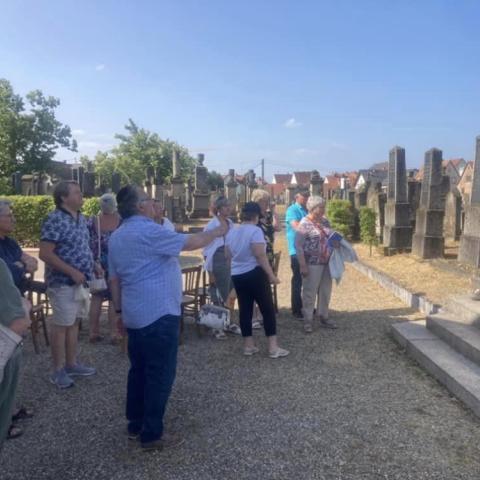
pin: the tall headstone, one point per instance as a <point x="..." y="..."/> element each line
<point x="116" y="182"/>
<point x="397" y="231"/>
<point x="290" y="194"/>
<point x="251" y="183"/>
<point x="316" y="184"/>
<point x="231" y="186"/>
<point x="17" y="183"/>
<point x="177" y="191"/>
<point x="201" y="194"/>
<point x="88" y="184"/>
<point x="428" y="241"/>
<point x="376" y="199"/>
<point x="453" y="215"/>
<point x="469" y="251"/>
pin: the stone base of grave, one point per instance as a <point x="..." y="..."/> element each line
<point x="388" y="251"/>
<point x="469" y="251"/>
<point x="397" y="237"/>
<point x="426" y="246"/>
<point x="201" y="205"/>
<point x="429" y="222"/>
<point x="447" y="345"/>
<point x="397" y="214"/>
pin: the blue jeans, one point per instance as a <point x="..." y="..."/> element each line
<point x="153" y="362"/>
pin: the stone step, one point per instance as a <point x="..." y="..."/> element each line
<point x="460" y="375"/>
<point x="464" y="309"/>
<point x="465" y="339"/>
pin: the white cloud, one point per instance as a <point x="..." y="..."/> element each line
<point x="100" y="67"/>
<point x="292" y="123"/>
<point x="79" y="132"/>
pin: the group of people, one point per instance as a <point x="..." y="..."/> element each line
<point x="135" y="249"/>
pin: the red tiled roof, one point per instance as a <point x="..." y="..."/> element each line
<point x="284" y="178"/>
<point x="333" y="181"/>
<point x="302" y="178"/>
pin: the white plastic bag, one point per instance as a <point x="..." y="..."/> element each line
<point x="215" y="317"/>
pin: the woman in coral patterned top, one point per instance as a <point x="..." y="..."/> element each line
<point x="313" y="253"/>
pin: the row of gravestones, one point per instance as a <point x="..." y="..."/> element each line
<point x="418" y="216"/>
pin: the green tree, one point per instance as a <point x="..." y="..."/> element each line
<point x="368" y="232"/>
<point x="29" y="138"/>
<point x="215" y="180"/>
<point x="140" y="149"/>
<point x="341" y="216"/>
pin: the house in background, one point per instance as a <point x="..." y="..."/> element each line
<point x="464" y="185"/>
<point x="301" y="179"/>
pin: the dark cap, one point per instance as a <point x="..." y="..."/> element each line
<point x="252" y="207"/>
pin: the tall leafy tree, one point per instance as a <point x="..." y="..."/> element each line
<point x="29" y="138"/>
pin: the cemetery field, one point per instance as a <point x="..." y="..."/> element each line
<point x="435" y="279"/>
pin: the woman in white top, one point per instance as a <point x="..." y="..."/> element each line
<point x="252" y="276"/>
<point x="217" y="265"/>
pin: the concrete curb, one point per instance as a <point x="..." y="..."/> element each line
<point x="413" y="300"/>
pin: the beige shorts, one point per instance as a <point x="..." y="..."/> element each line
<point x="68" y="303"/>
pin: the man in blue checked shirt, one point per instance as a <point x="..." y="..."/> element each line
<point x="146" y="285"/>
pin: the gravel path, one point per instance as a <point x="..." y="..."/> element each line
<point x="347" y="404"/>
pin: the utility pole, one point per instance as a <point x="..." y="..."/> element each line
<point x="263" y="170"/>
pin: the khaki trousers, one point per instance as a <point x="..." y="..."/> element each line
<point x="317" y="290"/>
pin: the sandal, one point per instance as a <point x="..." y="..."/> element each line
<point x="14" y="432"/>
<point x="22" y="413"/>
<point x="219" y="334"/>
<point x="234" y="328"/>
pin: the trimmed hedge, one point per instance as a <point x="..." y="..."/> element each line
<point x="30" y="211"/>
<point x="341" y="216"/>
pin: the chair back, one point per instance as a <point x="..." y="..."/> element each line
<point x="191" y="280"/>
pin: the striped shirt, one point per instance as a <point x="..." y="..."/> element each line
<point x="144" y="257"/>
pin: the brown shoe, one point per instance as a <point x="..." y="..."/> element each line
<point x="167" y="441"/>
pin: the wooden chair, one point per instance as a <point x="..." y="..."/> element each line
<point x="37" y="296"/>
<point x="276" y="265"/>
<point x="191" y="300"/>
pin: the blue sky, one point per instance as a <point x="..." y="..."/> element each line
<point x="304" y="84"/>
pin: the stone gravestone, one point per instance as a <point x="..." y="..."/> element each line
<point x="89" y="184"/>
<point x="397" y="231"/>
<point x="316" y="184"/>
<point x="17" y="183"/>
<point x="201" y="194"/>
<point x="428" y="239"/>
<point x="376" y="201"/>
<point x="230" y="186"/>
<point x="291" y="190"/>
<point x="116" y="182"/>
<point x="148" y="185"/>
<point x="470" y="240"/>
<point x="177" y="191"/>
<point x="453" y="215"/>
<point x="251" y="184"/>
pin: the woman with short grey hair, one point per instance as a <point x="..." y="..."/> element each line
<point x="100" y="227"/>
<point x="313" y="253"/>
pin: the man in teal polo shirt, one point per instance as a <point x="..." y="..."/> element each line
<point x="295" y="213"/>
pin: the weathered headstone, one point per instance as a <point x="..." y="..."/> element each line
<point x="251" y="183"/>
<point x="397" y="231"/>
<point x="116" y="182"/>
<point x="291" y="189"/>
<point x="428" y="241"/>
<point x="316" y="184"/>
<point x="88" y="184"/>
<point x="17" y="183"/>
<point x="469" y="251"/>
<point x="376" y="201"/>
<point x="453" y="215"/>
<point x="231" y="186"/>
<point x="177" y="191"/>
<point x="201" y="194"/>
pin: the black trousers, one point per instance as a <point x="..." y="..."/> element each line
<point x="296" y="286"/>
<point x="253" y="286"/>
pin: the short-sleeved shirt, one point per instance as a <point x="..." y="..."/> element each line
<point x="11" y="254"/>
<point x="315" y="240"/>
<point x="71" y="238"/>
<point x="144" y="257"/>
<point x="92" y="225"/>
<point x="294" y="213"/>
<point x="10" y="298"/>
<point x="239" y="242"/>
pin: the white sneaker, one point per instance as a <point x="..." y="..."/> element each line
<point x="278" y="353"/>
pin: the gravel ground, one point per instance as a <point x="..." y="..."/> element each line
<point x="346" y="404"/>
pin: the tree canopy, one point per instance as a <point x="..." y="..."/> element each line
<point x="29" y="136"/>
<point x="139" y="150"/>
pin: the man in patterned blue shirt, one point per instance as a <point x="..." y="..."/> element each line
<point x="64" y="247"/>
<point x="146" y="285"/>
